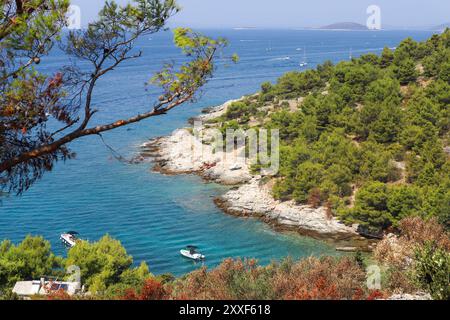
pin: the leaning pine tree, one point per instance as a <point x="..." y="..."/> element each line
<point x="29" y="100"/>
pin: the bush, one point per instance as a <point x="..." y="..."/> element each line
<point x="152" y="289"/>
<point x="418" y="258"/>
<point x="406" y="71"/>
<point x="308" y="279"/>
<point x="370" y="208"/>
<point x="104" y="263"/>
<point x="29" y="260"/>
<point x="432" y="271"/>
<point x="239" y="110"/>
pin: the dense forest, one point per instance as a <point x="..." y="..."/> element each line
<point x="368" y="138"/>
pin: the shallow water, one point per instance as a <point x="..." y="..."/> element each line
<point x="155" y="216"/>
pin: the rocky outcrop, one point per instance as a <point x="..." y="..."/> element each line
<point x="254" y="199"/>
<point x="183" y="152"/>
<point x="405" y="296"/>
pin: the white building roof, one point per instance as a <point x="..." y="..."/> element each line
<point x="30" y="288"/>
<point x="27" y="288"/>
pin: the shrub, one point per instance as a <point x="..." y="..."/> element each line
<point x="152" y="289"/>
<point x="308" y="279"/>
<point x="406" y="71"/>
<point x="30" y="259"/>
<point x="418" y="258"/>
<point x="104" y="263"/>
<point x="432" y="271"/>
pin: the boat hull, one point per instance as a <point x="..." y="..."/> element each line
<point x="195" y="256"/>
<point x="67" y="241"/>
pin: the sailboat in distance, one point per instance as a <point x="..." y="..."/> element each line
<point x="304" y="63"/>
<point x="270" y="46"/>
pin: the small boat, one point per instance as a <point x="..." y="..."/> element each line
<point x="235" y="167"/>
<point x="191" y="253"/>
<point x="69" y="238"/>
<point x="304" y="63"/>
<point x="270" y="47"/>
<point x="347" y="249"/>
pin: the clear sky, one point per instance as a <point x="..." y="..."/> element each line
<point x="294" y="13"/>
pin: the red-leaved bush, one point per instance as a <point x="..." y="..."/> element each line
<point x="308" y="279"/>
<point x="151" y="290"/>
<point x="58" y="295"/>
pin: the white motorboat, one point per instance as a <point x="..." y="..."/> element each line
<point x="69" y="238"/>
<point x="191" y="253"/>
<point x="235" y="167"/>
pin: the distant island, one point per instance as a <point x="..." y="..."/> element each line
<point x="344" y="26"/>
<point x="244" y="28"/>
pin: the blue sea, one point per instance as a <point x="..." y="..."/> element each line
<point x="154" y="216"/>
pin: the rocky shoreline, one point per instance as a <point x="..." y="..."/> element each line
<point x="254" y="199"/>
<point x="179" y="154"/>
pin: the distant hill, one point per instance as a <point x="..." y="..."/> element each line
<point x="244" y="28"/>
<point x="345" y="26"/>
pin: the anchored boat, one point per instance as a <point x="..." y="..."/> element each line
<point x="191" y="253"/>
<point x="69" y="238"/>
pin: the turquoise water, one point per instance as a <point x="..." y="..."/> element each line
<point x="153" y="215"/>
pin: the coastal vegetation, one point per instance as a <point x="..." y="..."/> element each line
<point x="417" y="260"/>
<point x="367" y="138"/>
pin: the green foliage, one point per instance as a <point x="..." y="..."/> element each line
<point x="193" y="74"/>
<point x="31" y="259"/>
<point x="28" y="32"/>
<point x="106" y="268"/>
<point x="371" y="208"/>
<point x="379" y="206"/>
<point x="432" y="271"/>
<point x="387" y="57"/>
<point x="24" y="27"/>
<point x="29" y="147"/>
<point x="404" y="201"/>
<point x="436" y="63"/>
<point x="375" y="163"/>
<point x="294" y="84"/>
<point x="104" y="263"/>
<point x="267" y="92"/>
<point x="380" y="121"/>
<point x="240" y="110"/>
<point x="365" y="129"/>
<point x="130" y="278"/>
<point x="444" y="73"/>
<point x="406" y="71"/>
<point x="383" y="90"/>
